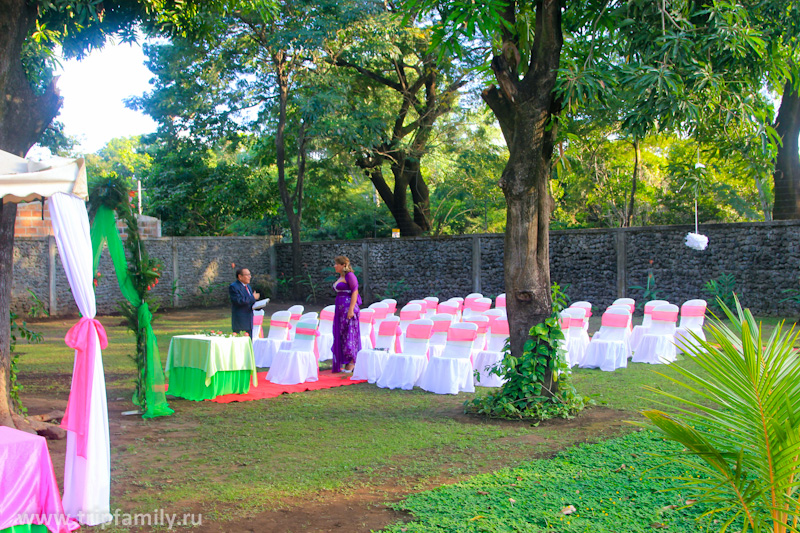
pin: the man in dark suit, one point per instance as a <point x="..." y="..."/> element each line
<point x="242" y="300"/>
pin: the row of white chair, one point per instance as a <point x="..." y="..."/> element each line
<point x="658" y="340"/>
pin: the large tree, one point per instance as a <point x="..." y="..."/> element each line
<point x="674" y="48"/>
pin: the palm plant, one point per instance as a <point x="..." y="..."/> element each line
<point x="747" y="431"/>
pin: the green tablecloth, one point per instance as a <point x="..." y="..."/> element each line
<point x="25" y="528"/>
<point x="201" y="367"/>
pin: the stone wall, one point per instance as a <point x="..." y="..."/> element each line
<point x="595" y="265"/>
<point x="196" y="272"/>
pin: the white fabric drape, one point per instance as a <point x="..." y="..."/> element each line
<point x="87" y="481"/>
<point x="23" y="180"/>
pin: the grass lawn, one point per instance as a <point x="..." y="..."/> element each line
<point x="300" y="462"/>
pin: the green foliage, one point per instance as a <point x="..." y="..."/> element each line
<point x="610" y="485"/>
<point x="207" y="293"/>
<point x="394" y="290"/>
<point x="649" y="291"/>
<point x="559" y="297"/>
<point x="526" y="392"/>
<point x="18" y="331"/>
<point x="747" y="431"/>
<point x="38" y="308"/>
<point x="720" y="292"/>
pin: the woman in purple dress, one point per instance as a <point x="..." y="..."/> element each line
<point x="346" y="330"/>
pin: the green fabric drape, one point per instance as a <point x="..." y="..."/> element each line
<point x="104" y="229"/>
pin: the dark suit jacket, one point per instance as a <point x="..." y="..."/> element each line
<point x="241" y="307"/>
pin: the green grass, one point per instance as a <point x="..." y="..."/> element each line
<point x="235" y="460"/>
<point x="616" y="485"/>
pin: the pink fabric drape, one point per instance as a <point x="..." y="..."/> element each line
<point x="81" y="338"/>
<point x="28" y="489"/>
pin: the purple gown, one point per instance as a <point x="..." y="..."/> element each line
<point x="346" y="333"/>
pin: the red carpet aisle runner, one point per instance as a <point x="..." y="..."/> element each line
<point x="266" y="389"/>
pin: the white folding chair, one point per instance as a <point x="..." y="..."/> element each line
<point x="325" y="339"/>
<point x="578" y="339"/>
<point x="639" y="331"/>
<point x="297" y="312"/>
<point x="611" y="350"/>
<point x="433" y="303"/>
<point x="258" y="322"/>
<point x="451" y="372"/>
<point x="693" y="316"/>
<point x="493" y="354"/>
<point x="370" y="361"/>
<point x="483" y="327"/>
<point x="277" y="338"/>
<point x="366" y="318"/>
<point x="409" y="313"/>
<point x="441" y="325"/>
<point x="658" y="344"/>
<point x="299" y="363"/>
<point x="403" y="370"/>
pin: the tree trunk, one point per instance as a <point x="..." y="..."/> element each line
<point x="24" y="115"/>
<point x="8" y="213"/>
<point x="787" y="163"/>
<point x="637" y="161"/>
<point x="525" y="109"/>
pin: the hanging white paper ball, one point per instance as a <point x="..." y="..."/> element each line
<point x="696" y="241"/>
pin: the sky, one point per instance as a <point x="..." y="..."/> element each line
<point x="94" y="89"/>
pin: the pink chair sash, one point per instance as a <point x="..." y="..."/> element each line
<point x="614" y="321"/>
<point x="410" y="315"/>
<point x="500" y="302"/>
<point x="458" y="334"/>
<point x="392" y="307"/>
<point x="295" y="317"/>
<point x="418" y="331"/>
<point x="76" y="417"/>
<point x="665" y="316"/>
<point x="563" y="322"/>
<point x="648" y="308"/>
<point x="381" y="313"/>
<point x="431" y="305"/>
<point x="387" y="328"/>
<point x="310" y="333"/>
<point x="482" y="326"/>
<point x="500" y="327"/>
<point x="575" y="322"/>
<point x="278" y="324"/>
<point x="448" y="309"/>
<point x="693" y="310"/>
<point x="441" y="325"/>
<point x="326" y="315"/>
<point x="258" y="320"/>
<point x="480" y="306"/>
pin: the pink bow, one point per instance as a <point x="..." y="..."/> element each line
<point x="76" y="417"/>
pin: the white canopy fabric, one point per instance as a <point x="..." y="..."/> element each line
<point x="87" y="473"/>
<point x="23" y="180"/>
<point x="87" y="476"/>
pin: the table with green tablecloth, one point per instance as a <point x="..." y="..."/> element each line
<point x="202" y="367"/>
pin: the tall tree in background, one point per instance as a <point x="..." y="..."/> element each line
<point x="399" y="78"/>
<point x="786" y="176"/>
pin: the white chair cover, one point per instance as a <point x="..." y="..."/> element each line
<point x="298" y="364"/>
<point x="451" y="372"/>
<point x="612" y="349"/>
<point x="87" y="480"/>
<point x="366" y="319"/>
<point x="500" y="301"/>
<point x="382" y="311"/>
<point x="629" y="302"/>
<point x="403" y="370"/>
<point x="441" y="325"/>
<point x="431" y="308"/>
<point x="325" y="339"/>
<point x="296" y="312"/>
<point x="258" y="321"/>
<point x="639" y="331"/>
<point x="370" y="361"/>
<point x="493" y="354"/>
<point x="658" y="344"/>
<point x="483" y="328"/>
<point x="409" y="313"/>
<point x="392" y="303"/>
<point x="277" y="339"/>
<point x="587" y="307"/>
<point x="477" y="307"/>
<point x="693" y="316"/>
<point x="578" y="339"/>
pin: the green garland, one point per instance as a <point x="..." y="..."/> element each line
<point x="135" y="281"/>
